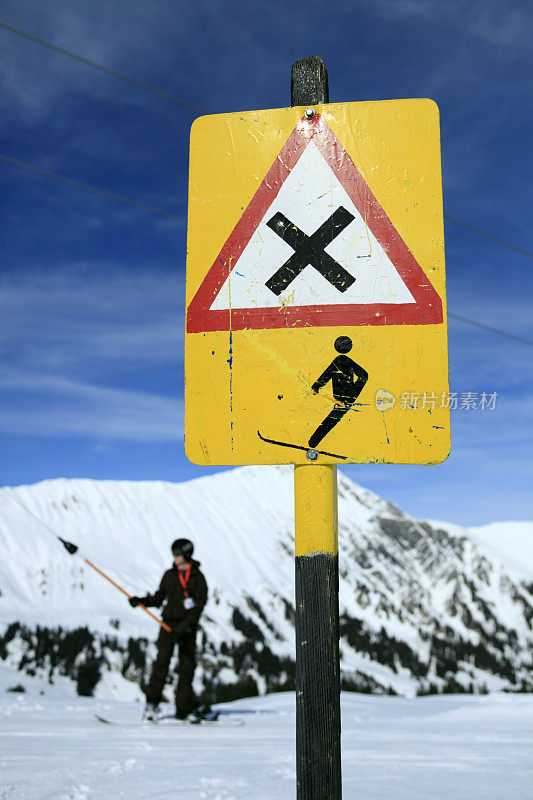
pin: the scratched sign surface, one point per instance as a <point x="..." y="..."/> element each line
<point x="316" y="308"/>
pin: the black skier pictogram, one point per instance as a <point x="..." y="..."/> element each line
<point x="309" y="250"/>
<point x="348" y="379"/>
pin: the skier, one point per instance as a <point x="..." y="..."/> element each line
<point x="348" y="380"/>
<point x="185" y="590"/>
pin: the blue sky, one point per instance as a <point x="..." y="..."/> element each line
<point x="92" y="291"/>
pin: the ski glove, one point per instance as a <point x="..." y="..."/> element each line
<point x="134" y="601"/>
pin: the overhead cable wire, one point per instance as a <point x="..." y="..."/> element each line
<point x="489" y="328"/>
<point x="96" y="190"/>
<point x="49" y="174"/>
<point x="73" y="549"/>
<point x="168" y="96"/>
<point x="19" y="502"/>
<point x="496" y="239"/>
<point x="120" y="75"/>
<point x="153" y="210"/>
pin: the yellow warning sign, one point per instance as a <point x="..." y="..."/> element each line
<point x="316" y="318"/>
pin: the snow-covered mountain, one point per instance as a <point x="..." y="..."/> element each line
<point x="424" y="606"/>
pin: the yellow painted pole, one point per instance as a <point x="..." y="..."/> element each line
<point x="315" y="497"/>
<point x="318" y="727"/>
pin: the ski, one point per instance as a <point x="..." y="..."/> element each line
<point x="300" y="447"/>
<point x="169" y="722"/>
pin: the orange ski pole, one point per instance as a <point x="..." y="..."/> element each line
<point x="160" y="621"/>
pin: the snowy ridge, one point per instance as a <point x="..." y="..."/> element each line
<point x="423" y="605"/>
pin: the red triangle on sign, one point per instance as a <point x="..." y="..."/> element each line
<point x="424" y="309"/>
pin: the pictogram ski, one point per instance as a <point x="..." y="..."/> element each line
<point x="314" y="247"/>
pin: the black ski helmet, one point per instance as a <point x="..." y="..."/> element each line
<point x="183" y="547"/>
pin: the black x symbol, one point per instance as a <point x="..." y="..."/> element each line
<point x="310" y="250"/>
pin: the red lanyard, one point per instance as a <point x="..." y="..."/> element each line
<point x="185" y="580"/>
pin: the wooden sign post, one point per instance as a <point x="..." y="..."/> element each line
<point x="318" y="717"/>
<point x="316" y="330"/>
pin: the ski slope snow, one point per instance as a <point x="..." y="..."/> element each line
<point x="425" y="748"/>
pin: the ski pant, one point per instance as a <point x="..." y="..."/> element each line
<point x="187" y="664"/>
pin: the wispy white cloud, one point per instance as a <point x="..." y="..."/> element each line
<point x="501" y="23"/>
<point x="63" y="407"/>
<point x="68" y="332"/>
<point x="85" y="316"/>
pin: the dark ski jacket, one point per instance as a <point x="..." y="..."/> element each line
<point x="170" y="589"/>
